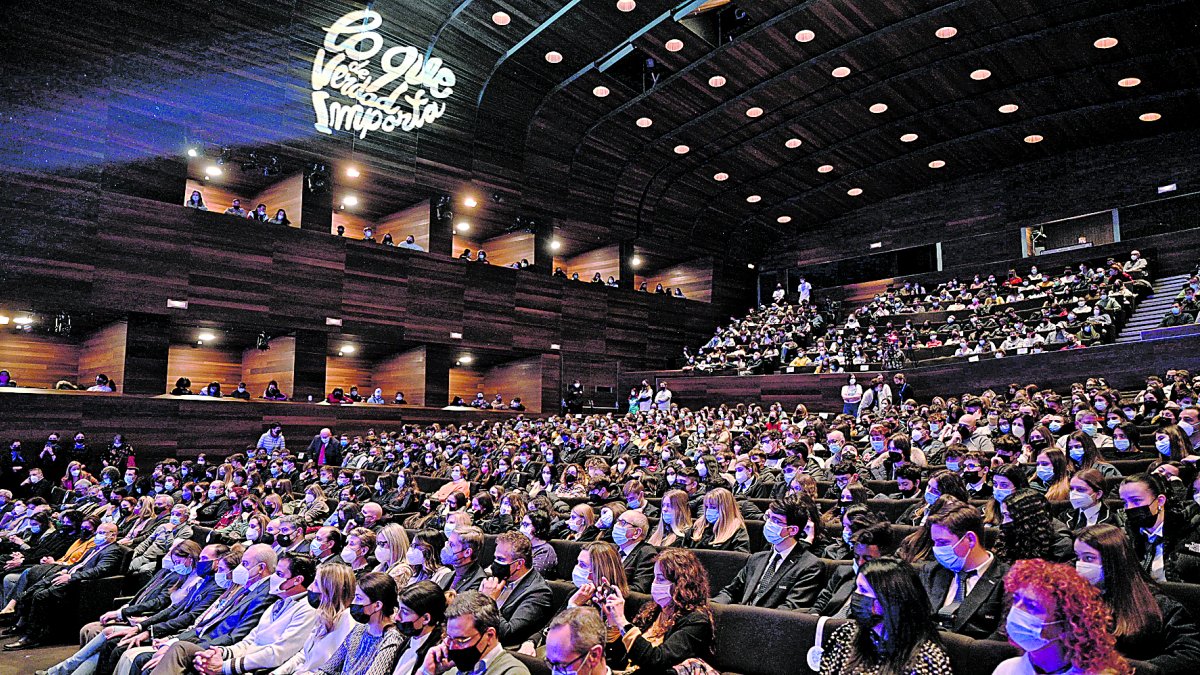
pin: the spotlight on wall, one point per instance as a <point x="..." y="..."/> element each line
<point x="635" y="261"/>
<point x="213" y="170"/>
<point x="23" y="320"/>
<point x="192" y="152"/>
<point x="352" y="172"/>
<point x="462" y="226"/>
<point x="4" y="319"/>
<point x="350" y="200"/>
<point x="466" y="359"/>
<point x="206" y="337"/>
<point x="555" y="244"/>
<point x="470" y="202"/>
<point x="347" y="349"/>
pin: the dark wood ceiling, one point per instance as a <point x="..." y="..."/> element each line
<point x="102" y="81"/>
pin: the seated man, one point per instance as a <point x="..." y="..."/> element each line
<point x="461" y="553"/>
<point x="81" y="535"/>
<point x="279" y="634"/>
<point x="38" y="607"/>
<point x="637" y="557"/>
<point x="472" y="633"/>
<point x="873" y="542"/>
<point x="1176" y="317"/>
<point x="576" y="638"/>
<point x="788" y="576"/>
<point x="524" y="599"/>
<point x="155" y="546"/>
<point x="966" y="587"/>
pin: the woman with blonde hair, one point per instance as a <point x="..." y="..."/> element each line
<point x="330" y="594"/>
<point x="313" y="507"/>
<point x="582" y="524"/>
<point x="722" y="527"/>
<point x="391" y="550"/>
<point x="674" y="523"/>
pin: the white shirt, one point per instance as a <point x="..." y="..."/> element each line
<point x="279" y="635"/>
<point x="1092" y="513"/>
<point x="408" y="662"/>
<point x="317" y="650"/>
<point x="971" y="581"/>
<point x="1020" y="665"/>
<point x="1157" y="570"/>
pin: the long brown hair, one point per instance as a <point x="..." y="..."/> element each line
<point x="689" y="589"/>
<point x="1134" y="609"/>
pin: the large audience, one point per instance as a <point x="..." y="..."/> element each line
<point x="1056" y="521"/>
<point x="988" y="317"/>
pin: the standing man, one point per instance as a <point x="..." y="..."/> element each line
<point x="575" y="397"/>
<point x="324" y="449"/>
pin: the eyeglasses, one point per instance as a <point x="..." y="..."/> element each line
<point x="462" y="642"/>
<point x="565" y="668"/>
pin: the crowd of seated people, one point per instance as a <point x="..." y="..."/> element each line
<point x="260" y="212"/>
<point x="977" y="514"/>
<point x="183" y="387"/>
<point x="987" y="317"/>
<point x="1186" y="307"/>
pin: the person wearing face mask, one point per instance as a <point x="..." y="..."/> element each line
<point x="360" y="546"/>
<point x="597" y="573"/>
<point x="869" y="543"/>
<point x="326" y="545"/>
<point x="43" y="600"/>
<point x="314" y="507"/>
<point x="679" y="621"/>
<point x="330" y="596"/>
<point x="1057" y="620"/>
<point x="746" y="482"/>
<point x="1087" y="503"/>
<point x="391" y="551"/>
<point x="472" y="642"/>
<point x="889" y="602"/>
<point x="855" y="518"/>
<point x="420" y="619"/>
<point x="1159" y="531"/>
<point x="635" y="498"/>
<point x="637" y="556"/>
<point x="966" y="587"/>
<point x="1006" y="480"/>
<point x="580" y="525"/>
<point x="323" y="449"/>
<point x="1052" y="475"/>
<point x="458" y="483"/>
<point x="278" y="634"/>
<point x="153" y="547"/>
<point x="520" y="592"/>
<point x="975" y="475"/>
<point x="374" y="644"/>
<point x="721" y="527"/>
<point x="786" y="576"/>
<point x="535" y="524"/>
<point x="461" y="553"/>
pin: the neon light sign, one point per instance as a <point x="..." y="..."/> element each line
<point x="363" y="104"/>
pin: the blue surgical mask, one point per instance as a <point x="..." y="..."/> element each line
<point x="1046" y="473"/>
<point x="1025" y="630"/>
<point x="946" y="556"/>
<point x="711" y="515"/>
<point x="1121" y="444"/>
<point x="1089" y="429"/>
<point x="620" y="534"/>
<point x="930" y="497"/>
<point x="952" y="466"/>
<point x="1076" y="454"/>
<point x="1001" y="493"/>
<point x="182" y="569"/>
<point x="877" y="446"/>
<point x="773" y="532"/>
<point x="1055" y="427"/>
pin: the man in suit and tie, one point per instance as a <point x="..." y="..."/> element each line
<point x="279" y="634"/>
<point x="472" y="631"/>
<point x="637" y="556"/>
<point x="788" y="575"/>
<point x="966" y="587"/>
<point x="326" y="545"/>
<point x="324" y="449"/>
<point x="869" y="543"/>
<point x="524" y="598"/>
<point x="39" y="604"/>
<point x="461" y="553"/>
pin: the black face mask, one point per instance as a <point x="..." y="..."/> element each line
<point x="314" y="599"/>
<point x="970" y="477"/>
<point x="465" y="659"/>
<point x="284" y="540"/>
<point x="1039" y="444"/>
<point x="862" y="609"/>
<point x="407" y="629"/>
<point x="359" y="613"/>
<point x="1139" y="517"/>
<point x="501" y="570"/>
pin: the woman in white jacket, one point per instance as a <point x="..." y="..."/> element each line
<point x="331" y="594"/>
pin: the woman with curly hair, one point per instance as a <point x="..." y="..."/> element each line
<point x="1060" y="622"/>
<point x="675" y="627"/>
<point x="1028" y="531"/>
<point x="892" y="631"/>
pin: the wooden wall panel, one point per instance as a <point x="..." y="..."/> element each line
<point x="517" y="378"/>
<point x="39" y="360"/>
<point x="354" y="225"/>
<point x="348" y="371"/>
<point x="462" y="241"/>
<point x="465" y="382"/>
<point x="287" y="194"/>
<point x="202" y="365"/>
<point x="509" y="248"/>
<point x="402" y="372"/>
<point x="278" y="363"/>
<point x="694" y="278"/>
<point x="413" y="220"/>
<point x="606" y="260"/>
<point x="104" y="352"/>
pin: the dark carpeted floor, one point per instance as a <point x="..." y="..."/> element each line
<point x="24" y="663"/>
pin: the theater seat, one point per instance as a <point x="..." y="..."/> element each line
<point x="95" y="597"/>
<point x="758" y="542"/>
<point x="722" y="566"/>
<point x="568" y="554"/>
<point x="561" y="592"/>
<point x="757" y="641"/>
<point x="1187" y="595"/>
<point x="536" y="665"/>
<point x="969" y="656"/>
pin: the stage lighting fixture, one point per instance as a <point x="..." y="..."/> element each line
<point x="470" y="202"/>
<point x="318" y="178"/>
<point x="352" y="172"/>
<point x="212" y="171"/>
<point x="62" y="324"/>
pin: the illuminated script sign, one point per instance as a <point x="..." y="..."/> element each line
<point x="402" y="90"/>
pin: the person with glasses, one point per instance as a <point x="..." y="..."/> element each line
<point x="575" y="643"/>
<point x="472" y="644"/>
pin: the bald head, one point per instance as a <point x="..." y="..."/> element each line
<point x="260" y="561"/>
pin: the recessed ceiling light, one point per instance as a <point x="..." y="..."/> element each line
<point x="470" y="202"/>
<point x="463" y="226"/>
<point x="878" y="108"/>
<point x="212" y="170"/>
<point x="783" y="220"/>
<point x="1150" y="117"/>
<point x="805" y="35"/>
<point x="347" y="349"/>
<point x="23" y="320"/>
<point x="981" y="74"/>
<point x="350" y="200"/>
<point x="553" y="57"/>
<point x="716" y="81"/>
<point x="682" y="149"/>
<point x="754" y="199"/>
<point x="635" y="260"/>
<point x="720" y="176"/>
<point x="841" y="71"/>
<point x="1105" y="43"/>
<point x="825" y="168"/>
<point x="206" y="337"/>
<point x="352" y="172"/>
<point x="854" y="192"/>
<point x="674" y="45"/>
<point x="1034" y="138"/>
<point x="192" y="152"/>
<point x="600" y="92"/>
<point x="937" y="164"/>
<point x="909" y="138"/>
<point x="946" y="32"/>
<point x="754" y="112"/>
<point x="501" y="19"/>
<point x="555" y="244"/>
<point x="626" y="5"/>
<point x="1129" y="82"/>
<point x="750" y="266"/>
<point x="1009" y="108"/>
<point x="644" y="122"/>
<point x="793" y="143"/>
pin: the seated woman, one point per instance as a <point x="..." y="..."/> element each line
<point x="1028" y="531"/>
<point x="330" y="594"/>
<point x="360" y="545"/>
<point x="423" y="558"/>
<point x="536" y="526"/>
<point x="1087" y="503"/>
<point x="1084" y="454"/>
<point x="1149" y="625"/>
<point x="598" y="572"/>
<point x="1006" y="480"/>
<point x="723" y="527"/>
<point x="892" y="630"/>
<point x="196" y="201"/>
<point x="373" y="645"/>
<point x="1059" y="621"/>
<point x="213" y="389"/>
<point x="676" y="626"/>
<point x="674" y="523"/>
<point x="183" y="387"/>
<point x="1160" y="532"/>
<point x="272" y="392"/>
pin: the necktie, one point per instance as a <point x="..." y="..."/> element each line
<point x="962" y="585"/>
<point x="1151" y="552"/>
<point x="321" y="455"/>
<point x="765" y="582"/>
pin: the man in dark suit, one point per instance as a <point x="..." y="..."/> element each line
<point x="966" y="587"/>
<point x="874" y="541"/>
<point x="524" y="599"/>
<point x="461" y="553"/>
<point x="788" y="575"/>
<point x="38" y="606"/>
<point x="637" y="556"/>
<point x="324" y="449"/>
